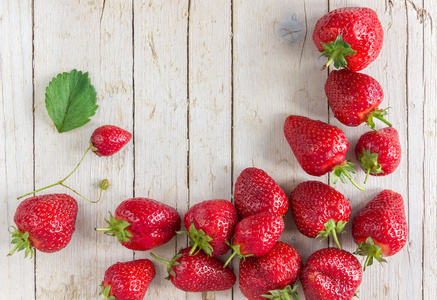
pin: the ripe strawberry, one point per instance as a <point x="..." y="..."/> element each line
<point x="45" y="223"/>
<point x="379" y="152"/>
<point x="331" y="273"/>
<point x="198" y="272"/>
<point x="354" y="98"/>
<point x="255" y="192"/>
<point x="210" y="226"/>
<point x="319" y="210"/>
<point x="272" y="274"/>
<point x="143" y="223"/>
<point x="127" y="280"/>
<point x="319" y="147"/>
<point x="256" y="234"/>
<point x="351" y="37"/>
<point x="380" y="228"/>
<point x="109" y="139"/>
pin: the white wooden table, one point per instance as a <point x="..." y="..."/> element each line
<point x="205" y="87"/>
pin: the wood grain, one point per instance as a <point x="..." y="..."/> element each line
<point x="205" y="88"/>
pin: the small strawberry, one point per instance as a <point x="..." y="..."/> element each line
<point x="319" y="147"/>
<point x="143" y="223"/>
<point x="198" y="272"/>
<point x="45" y="223"/>
<point x="255" y="192"/>
<point x="105" y="141"/>
<point x="319" y="210"/>
<point x="331" y="273"/>
<point x="380" y="228"/>
<point x="270" y="275"/>
<point x="210" y="225"/>
<point x="127" y="280"/>
<point x="379" y="152"/>
<point x="354" y="98"/>
<point x="109" y="139"/>
<point x="256" y="234"/>
<point x="351" y="37"/>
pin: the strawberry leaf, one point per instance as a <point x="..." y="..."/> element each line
<point x="71" y="100"/>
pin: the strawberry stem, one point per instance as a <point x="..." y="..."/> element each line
<point x="342" y="171"/>
<point x="21" y="241"/>
<point x="283" y="294"/>
<point x="336" y="52"/>
<point x="104" y="183"/>
<point x="170" y="264"/>
<point x="117" y="228"/>
<point x="369" y="162"/>
<point x="378" y="114"/>
<point x="370" y="250"/>
<point x="198" y="239"/>
<point x="332" y="228"/>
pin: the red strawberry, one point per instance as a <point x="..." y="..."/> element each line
<point x="255" y="192"/>
<point x="331" y="273"/>
<point x="319" y="147"/>
<point x="351" y="37"/>
<point x="354" y="98"/>
<point x="210" y="226"/>
<point x="270" y="275"/>
<point x="379" y="152"/>
<point x="45" y="223"/>
<point x="143" y="223"/>
<point x="198" y="272"/>
<point x="256" y="234"/>
<point x="319" y="210"/>
<point x="109" y="139"/>
<point x="128" y="280"/>
<point x="380" y="228"/>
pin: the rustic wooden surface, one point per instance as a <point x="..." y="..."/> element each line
<point x="205" y="87"/>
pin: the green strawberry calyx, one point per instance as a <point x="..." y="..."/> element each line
<point x="378" y="114"/>
<point x="283" y="294"/>
<point x="117" y="228"/>
<point x="198" y="240"/>
<point x="336" y="52"/>
<point x="170" y="264"/>
<point x="21" y="242"/>
<point x="369" y="162"/>
<point x="370" y="250"/>
<point x="237" y="252"/>
<point x="342" y="171"/>
<point x="105" y="291"/>
<point x="332" y="228"/>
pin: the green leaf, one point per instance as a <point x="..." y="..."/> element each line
<point x="71" y="100"/>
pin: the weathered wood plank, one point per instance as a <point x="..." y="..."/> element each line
<point x="210" y="107"/>
<point x="160" y="72"/>
<point x="271" y="81"/>
<point x="16" y="138"/>
<point x="428" y="16"/>
<point x="91" y="36"/>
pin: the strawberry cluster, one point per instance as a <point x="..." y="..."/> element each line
<point x="351" y="38"/>
<point x="252" y="225"/>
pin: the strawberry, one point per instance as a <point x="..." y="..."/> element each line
<point x="319" y="147"/>
<point x="198" y="272"/>
<point x="351" y="37"/>
<point x="331" y="273"/>
<point x="45" y="223"/>
<point x="270" y="275"/>
<point x="143" y="223"/>
<point x="380" y="228"/>
<point x="109" y="139"/>
<point x="255" y="192"/>
<point x="379" y="152"/>
<point x="127" y="280"/>
<point x="319" y="210"/>
<point x="354" y="98"/>
<point x="210" y="225"/>
<point x="256" y="234"/>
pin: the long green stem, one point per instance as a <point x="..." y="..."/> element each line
<point x="353" y="182"/>
<point x="61" y="182"/>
